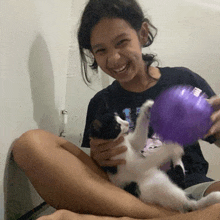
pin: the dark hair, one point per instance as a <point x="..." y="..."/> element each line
<point x="95" y="10"/>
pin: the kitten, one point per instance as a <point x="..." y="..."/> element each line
<point x="141" y="175"/>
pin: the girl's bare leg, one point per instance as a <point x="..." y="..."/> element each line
<point x="212" y="212"/>
<point x="67" y="178"/>
<point x="213" y="188"/>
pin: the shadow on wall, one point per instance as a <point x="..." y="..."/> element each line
<point x="42" y="86"/>
<point x="20" y="196"/>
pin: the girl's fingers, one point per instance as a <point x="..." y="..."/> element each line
<point x="113" y="152"/>
<point x="215" y="129"/>
<point x="215" y="117"/>
<point x="102" y="151"/>
<point x="98" y="142"/>
<point x="103" y="145"/>
<point x="107" y="155"/>
<point x="215" y="102"/>
<point x="112" y="163"/>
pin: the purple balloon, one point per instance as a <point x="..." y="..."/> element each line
<point x="180" y="116"/>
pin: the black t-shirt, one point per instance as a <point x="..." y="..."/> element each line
<point x="127" y="104"/>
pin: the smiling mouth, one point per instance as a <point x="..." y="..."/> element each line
<point x="121" y="69"/>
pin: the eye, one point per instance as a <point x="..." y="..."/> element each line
<point x="100" y="51"/>
<point x="123" y="42"/>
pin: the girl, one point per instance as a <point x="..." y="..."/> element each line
<point x="113" y="32"/>
<point x="115" y="39"/>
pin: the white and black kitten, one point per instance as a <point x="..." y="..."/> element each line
<point x="141" y="175"/>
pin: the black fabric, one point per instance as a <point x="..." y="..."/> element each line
<point x="133" y="188"/>
<point x="115" y="99"/>
<point x="178" y="175"/>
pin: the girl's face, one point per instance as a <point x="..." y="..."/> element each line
<point x="117" y="48"/>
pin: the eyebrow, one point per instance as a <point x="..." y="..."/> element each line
<point x="100" y="45"/>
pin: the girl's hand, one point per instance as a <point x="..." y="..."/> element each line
<point x="103" y="150"/>
<point x="215" y="129"/>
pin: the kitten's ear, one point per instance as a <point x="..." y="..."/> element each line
<point x="96" y="124"/>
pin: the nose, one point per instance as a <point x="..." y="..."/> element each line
<point x="113" y="58"/>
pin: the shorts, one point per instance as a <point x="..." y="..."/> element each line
<point x="197" y="191"/>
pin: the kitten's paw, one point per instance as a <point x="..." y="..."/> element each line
<point x="208" y="200"/>
<point x="146" y="107"/>
<point x="181" y="206"/>
<point x="189" y="206"/>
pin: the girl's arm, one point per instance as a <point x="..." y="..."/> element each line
<point x="212" y="212"/>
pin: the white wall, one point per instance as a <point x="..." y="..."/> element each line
<point x="78" y="93"/>
<point x="40" y="69"/>
<point x="188" y="35"/>
<point x="35" y="37"/>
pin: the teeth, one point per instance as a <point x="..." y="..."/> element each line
<point x="120" y="69"/>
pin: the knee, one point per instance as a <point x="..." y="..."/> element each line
<point x="23" y="147"/>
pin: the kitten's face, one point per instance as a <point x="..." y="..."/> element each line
<point x="109" y="126"/>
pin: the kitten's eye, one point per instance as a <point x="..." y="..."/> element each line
<point x="117" y="126"/>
